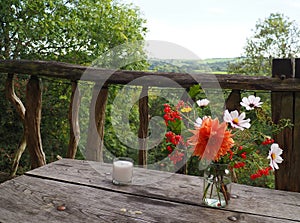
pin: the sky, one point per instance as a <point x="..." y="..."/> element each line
<point x="210" y="28"/>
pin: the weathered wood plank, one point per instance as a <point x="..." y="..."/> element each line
<point x="282" y="68"/>
<point x="76" y="72"/>
<point x="297" y="68"/>
<point x="30" y="199"/>
<point x="294" y="157"/>
<point x="174" y="187"/>
<point x="283" y="108"/>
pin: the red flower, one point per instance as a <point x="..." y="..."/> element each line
<point x="169" y="148"/>
<point x="243" y="155"/>
<point x="173" y="138"/>
<point x="267" y="141"/>
<point x="260" y="173"/>
<point x="239" y="165"/>
<point x="231" y="154"/>
<point x="254" y="176"/>
<point x="170" y="115"/>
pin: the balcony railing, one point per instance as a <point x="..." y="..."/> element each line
<point x="284" y="87"/>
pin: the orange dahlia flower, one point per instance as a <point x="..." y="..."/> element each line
<point x="212" y="140"/>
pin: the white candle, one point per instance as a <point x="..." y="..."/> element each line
<point x="122" y="171"/>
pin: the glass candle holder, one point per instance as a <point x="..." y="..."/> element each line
<point x="122" y="171"/>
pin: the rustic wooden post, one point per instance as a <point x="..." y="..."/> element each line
<point x="295" y="157"/>
<point x="143" y="128"/>
<point x="182" y="166"/>
<point x="94" y="147"/>
<point x="16" y="101"/>
<point x="286" y="105"/>
<point x="32" y="122"/>
<point x="233" y="100"/>
<point x="73" y="120"/>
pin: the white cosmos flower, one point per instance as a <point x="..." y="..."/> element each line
<point x="274" y="156"/>
<point x="251" y="102"/>
<point x="202" y="102"/>
<point x="236" y="120"/>
<point x="199" y="121"/>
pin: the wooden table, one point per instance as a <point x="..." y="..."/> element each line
<point x="85" y="190"/>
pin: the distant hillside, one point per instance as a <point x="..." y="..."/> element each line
<point x="215" y="65"/>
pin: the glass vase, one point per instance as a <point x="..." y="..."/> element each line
<point x="217" y="185"/>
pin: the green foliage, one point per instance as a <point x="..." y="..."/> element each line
<point x="115" y="124"/>
<point x="11" y="127"/>
<point x="251" y="147"/>
<point x="81" y="32"/>
<point x="274" y="37"/>
<point x="55" y="125"/>
<point x="73" y="31"/>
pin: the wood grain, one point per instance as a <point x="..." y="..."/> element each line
<point x="233" y="100"/>
<point x="33" y="122"/>
<point x="173" y="187"/>
<point x="76" y="72"/>
<point x="94" y="147"/>
<point x="74" y="121"/>
<point x="283" y="86"/>
<point x="285" y="105"/>
<point x="20" y="108"/>
<point x="30" y="199"/>
<point x="143" y="127"/>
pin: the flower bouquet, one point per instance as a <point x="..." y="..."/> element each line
<point x="225" y="149"/>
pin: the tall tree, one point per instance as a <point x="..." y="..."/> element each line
<point x="274" y="37"/>
<point x="63" y="30"/>
<point x="66" y="30"/>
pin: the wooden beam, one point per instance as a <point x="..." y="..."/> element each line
<point x="233" y="100"/>
<point x="76" y="72"/>
<point x="94" y="147"/>
<point x="73" y="121"/>
<point x="284" y="107"/>
<point x="294" y="158"/>
<point x="33" y="121"/>
<point x="143" y="128"/>
<point x="282" y="68"/>
<point x="13" y="98"/>
<point x="20" y="108"/>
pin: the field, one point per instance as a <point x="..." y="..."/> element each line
<point x="213" y="65"/>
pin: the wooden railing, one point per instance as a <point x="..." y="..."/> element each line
<point x="284" y="86"/>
